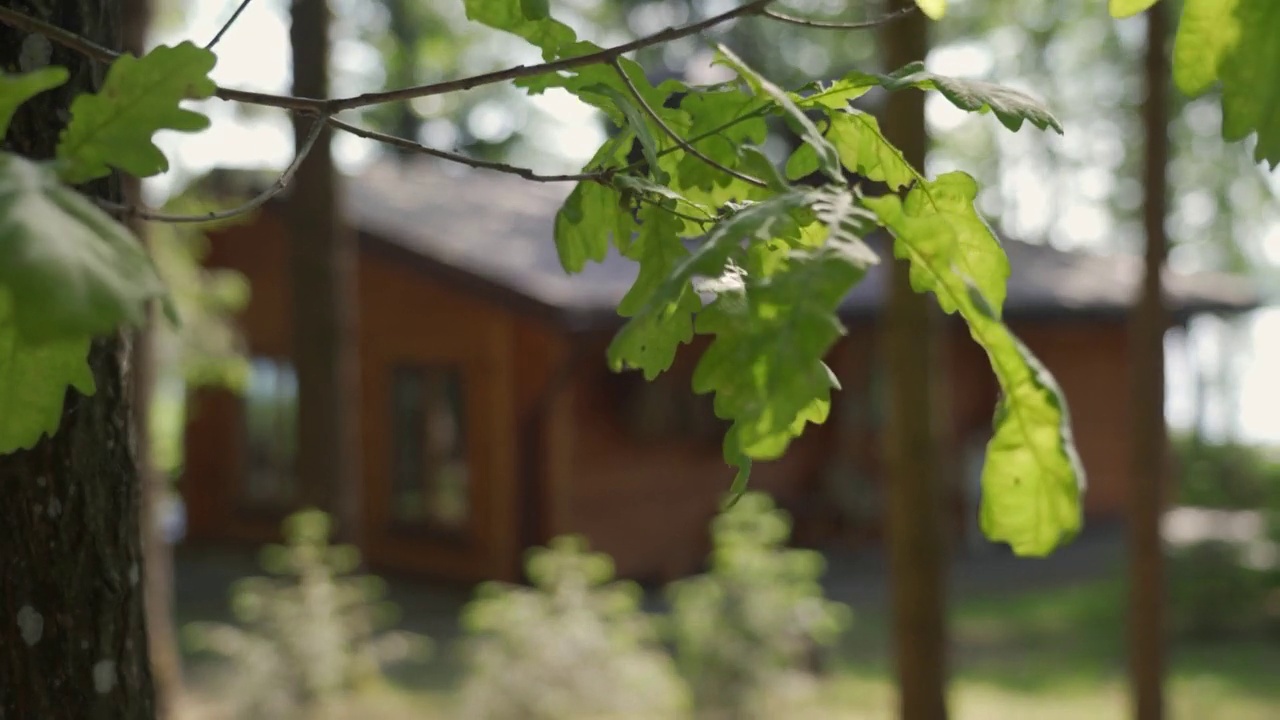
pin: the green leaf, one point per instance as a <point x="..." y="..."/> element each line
<point x="1010" y="106"/>
<point x="1236" y="42"/>
<point x="551" y="36"/>
<point x="140" y="96"/>
<point x="72" y="270"/>
<point x="771" y="333"/>
<point x="1126" y="8"/>
<point x="648" y="340"/>
<point x="935" y="9"/>
<point x="536" y="9"/>
<point x="33" y="381"/>
<point x="829" y="161"/>
<point x="758" y="164"/>
<point x="17" y="89"/>
<point x="658" y="250"/>
<point x="716" y="117"/>
<point x="639" y="124"/>
<point x="864" y="149"/>
<point x="838" y="94"/>
<point x="1207" y="32"/>
<point x="1032" y="479"/>
<point x="591" y="216"/>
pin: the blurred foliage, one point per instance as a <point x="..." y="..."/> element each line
<point x="747" y="633"/>
<point x="206" y="349"/>
<point x="1215" y="593"/>
<point x="1226" y="475"/>
<point x="575" y="645"/>
<point x="311" y="634"/>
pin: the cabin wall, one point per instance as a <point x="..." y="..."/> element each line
<point x="647" y="501"/>
<point x="406" y="319"/>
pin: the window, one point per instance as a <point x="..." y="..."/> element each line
<point x="429" y="474"/>
<point x="666" y="408"/>
<point x="271" y="431"/>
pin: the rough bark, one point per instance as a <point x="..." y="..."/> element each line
<point x="917" y="549"/>
<point x="323" y="271"/>
<point x="157" y="576"/>
<point x="1150" y="441"/>
<point x="73" y="640"/>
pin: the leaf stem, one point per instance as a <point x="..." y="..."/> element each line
<point x="838" y="24"/>
<point x="675" y="136"/>
<point x="406" y="144"/>
<point x="227" y="25"/>
<point x="258" y="201"/>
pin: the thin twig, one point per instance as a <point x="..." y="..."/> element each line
<point x="406" y="144"/>
<point x="258" y="201"/>
<point x="227" y="25"/>
<point x="838" y="24"/>
<point x="96" y="52"/>
<point x="329" y="107"/>
<point x="684" y="144"/>
<point x="522" y="71"/>
<point x="703" y="221"/>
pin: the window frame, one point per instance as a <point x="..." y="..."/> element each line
<point x="429" y="526"/>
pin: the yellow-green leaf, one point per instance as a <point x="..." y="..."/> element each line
<point x="935" y="9"/>
<point x="1032" y="479"/>
<point x="1206" y="31"/>
<point x="113" y="127"/>
<point x="33" y="381"/>
<point x="1126" y="8"/>
<point x="72" y="270"/>
<point x="17" y="89"/>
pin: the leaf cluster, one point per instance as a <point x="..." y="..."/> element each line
<point x="730" y="246"/>
<point x="68" y="270"/>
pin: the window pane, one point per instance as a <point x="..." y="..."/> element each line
<point x="429" y="474"/>
<point x="270" y="417"/>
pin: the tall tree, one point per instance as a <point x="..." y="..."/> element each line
<point x="917" y="556"/>
<point x="166" y="662"/>
<point x="1150" y="441"/>
<point x="323" y="280"/>
<point x="73" y="643"/>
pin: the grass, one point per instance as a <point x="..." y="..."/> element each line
<point x="1057" y="654"/>
<point x="1041" y="654"/>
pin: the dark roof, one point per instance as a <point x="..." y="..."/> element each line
<point x="497" y="229"/>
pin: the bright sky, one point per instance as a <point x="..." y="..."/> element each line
<point x="254" y="55"/>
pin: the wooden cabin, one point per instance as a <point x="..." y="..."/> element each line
<point x="490" y="422"/>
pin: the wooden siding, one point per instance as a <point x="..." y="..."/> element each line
<point x="548" y="449"/>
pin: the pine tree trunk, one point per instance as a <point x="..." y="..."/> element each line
<point x="73" y="641"/>
<point x="1150" y="441"/>
<point x="324" y="300"/>
<point x="917" y="556"/>
<point x="166" y="662"/>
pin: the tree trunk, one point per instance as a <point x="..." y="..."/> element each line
<point x="1150" y="441"/>
<point x="157" y="578"/>
<point x="73" y="640"/>
<point x="323" y="272"/>
<point x="917" y="557"/>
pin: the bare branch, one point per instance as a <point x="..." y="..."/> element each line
<point x="258" y="201"/>
<point x="606" y="55"/>
<point x="838" y="24"/>
<point x="400" y="142"/>
<point x="675" y="136"/>
<point x="227" y="25"/>
<point x="317" y="106"/>
<point x="69" y="40"/>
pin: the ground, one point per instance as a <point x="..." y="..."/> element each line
<point x="1032" y="638"/>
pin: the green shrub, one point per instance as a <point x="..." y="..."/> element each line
<point x="1226" y="475"/>
<point x="310" y="635"/>
<point x="1213" y="593"/>
<point x="746" y="633"/>
<point x="575" y="645"/>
